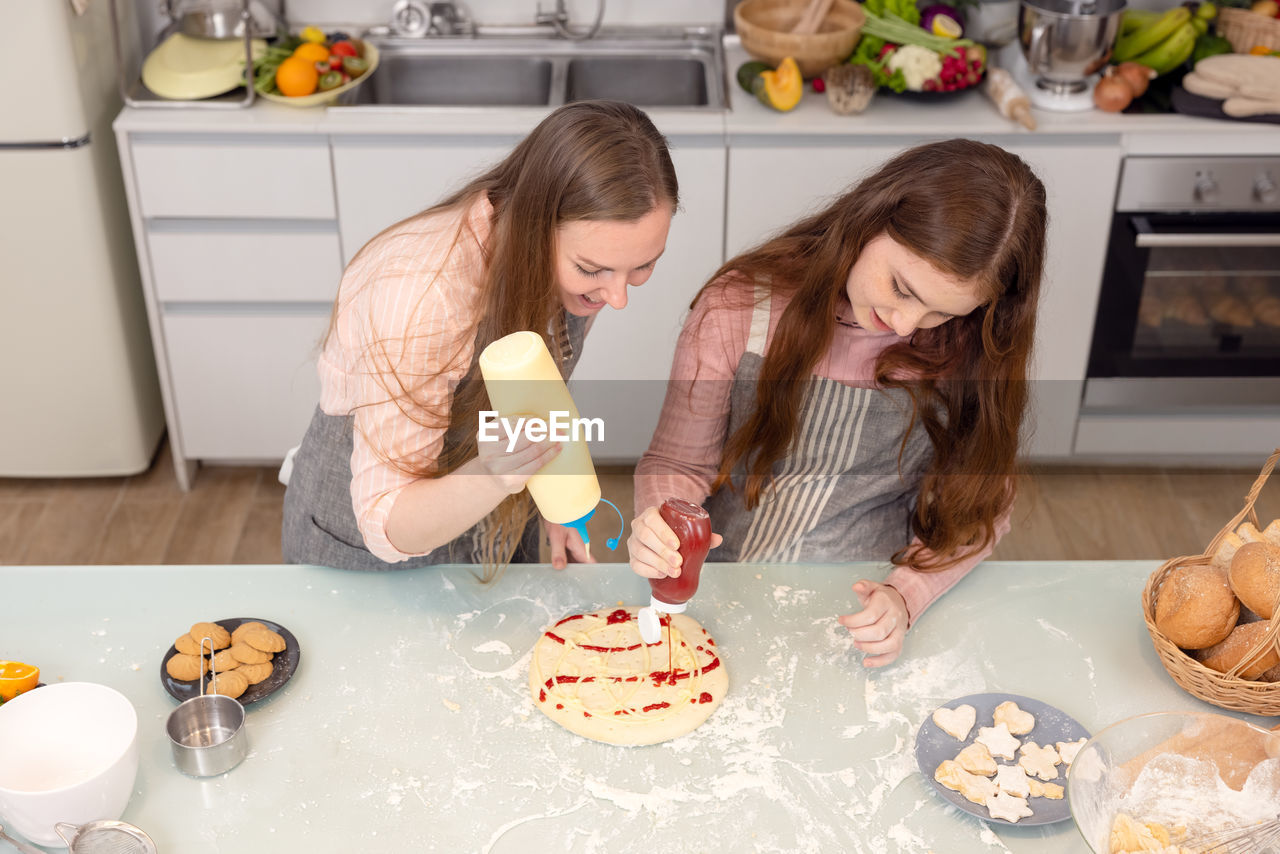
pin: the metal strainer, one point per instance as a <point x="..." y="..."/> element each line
<point x="105" y="837"/>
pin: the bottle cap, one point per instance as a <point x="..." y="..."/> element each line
<point x="666" y="607"/>
<point x="650" y="625"/>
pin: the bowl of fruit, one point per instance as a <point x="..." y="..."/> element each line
<point x="313" y="68"/>
<point x="914" y="52"/>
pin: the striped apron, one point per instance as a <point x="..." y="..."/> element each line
<point x="319" y="526"/>
<point x="837" y="495"/>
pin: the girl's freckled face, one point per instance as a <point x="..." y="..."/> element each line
<point x="893" y="290"/>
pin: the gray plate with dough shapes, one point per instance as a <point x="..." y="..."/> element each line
<point x="1052" y="725"/>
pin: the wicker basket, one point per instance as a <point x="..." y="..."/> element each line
<point x="1225" y="690"/>
<point x="1247" y="30"/>
<point x="764" y="26"/>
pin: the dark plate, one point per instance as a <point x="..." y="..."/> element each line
<point x="933" y="745"/>
<point x="1191" y="104"/>
<point x="284" y="664"/>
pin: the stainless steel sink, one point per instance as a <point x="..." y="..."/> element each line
<point x="683" y="70"/>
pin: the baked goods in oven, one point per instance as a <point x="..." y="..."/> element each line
<point x="1242" y="640"/>
<point x="1196" y="607"/>
<point x="1255" y="576"/>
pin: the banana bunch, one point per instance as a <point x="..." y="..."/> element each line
<point x="1162" y="41"/>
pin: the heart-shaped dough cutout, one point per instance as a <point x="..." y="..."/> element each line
<point x="956" y="722"/>
<point x="1018" y="721"/>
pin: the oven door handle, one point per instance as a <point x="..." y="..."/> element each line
<point x="1149" y="238"/>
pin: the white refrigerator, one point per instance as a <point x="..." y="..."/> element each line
<point x="78" y="389"/>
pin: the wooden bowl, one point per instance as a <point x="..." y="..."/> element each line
<point x="764" y="26"/>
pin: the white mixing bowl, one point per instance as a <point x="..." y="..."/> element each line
<point x="70" y="753"/>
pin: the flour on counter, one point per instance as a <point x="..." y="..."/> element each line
<point x="493" y="646"/>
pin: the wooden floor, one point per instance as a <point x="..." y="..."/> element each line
<point x="232" y="515"/>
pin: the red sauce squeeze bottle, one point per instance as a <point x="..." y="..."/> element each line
<point x="692" y="526"/>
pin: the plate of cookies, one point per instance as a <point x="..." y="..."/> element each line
<point x="252" y="658"/>
<point x="1001" y="757"/>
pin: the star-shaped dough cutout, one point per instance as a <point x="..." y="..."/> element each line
<point x="998" y="740"/>
<point x="1012" y="780"/>
<point x="1008" y="807"/>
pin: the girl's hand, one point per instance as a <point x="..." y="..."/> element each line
<point x="566" y="545"/>
<point x="654" y="548"/>
<point x="511" y="470"/>
<point x="881" y="626"/>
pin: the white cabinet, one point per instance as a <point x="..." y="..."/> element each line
<point x="240" y="255"/>
<point x="622" y="374"/>
<point x="775" y="180"/>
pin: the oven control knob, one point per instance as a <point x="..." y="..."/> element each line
<point x="1265" y="190"/>
<point x="1206" y="189"/>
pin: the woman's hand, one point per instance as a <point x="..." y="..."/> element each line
<point x="654" y="548"/>
<point x="566" y="545"/>
<point x="881" y="626"/>
<point x="511" y="470"/>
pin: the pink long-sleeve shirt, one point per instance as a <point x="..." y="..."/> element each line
<point x="406" y="308"/>
<point x="684" y="455"/>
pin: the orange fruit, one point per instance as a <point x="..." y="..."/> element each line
<point x="297" y="76"/>
<point x="312" y="52"/>
<point x="16" y="677"/>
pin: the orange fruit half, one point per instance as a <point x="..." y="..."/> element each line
<point x="16" y="677"/>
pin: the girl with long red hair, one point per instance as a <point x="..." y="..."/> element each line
<point x="855" y="387"/>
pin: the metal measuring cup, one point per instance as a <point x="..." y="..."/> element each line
<point x="206" y="732"/>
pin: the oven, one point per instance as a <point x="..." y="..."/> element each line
<point x="1185" y="355"/>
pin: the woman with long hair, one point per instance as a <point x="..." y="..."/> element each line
<point x="390" y="473"/>
<point x="855" y="387"/>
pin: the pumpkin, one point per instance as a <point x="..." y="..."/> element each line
<point x="780" y="89"/>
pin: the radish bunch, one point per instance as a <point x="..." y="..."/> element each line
<point x="959" y="71"/>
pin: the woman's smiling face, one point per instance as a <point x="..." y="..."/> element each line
<point x="595" y="260"/>
<point x="894" y="290"/>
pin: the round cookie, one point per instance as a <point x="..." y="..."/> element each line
<point x="1196" y="607"/>
<point x="256" y="673"/>
<point x="224" y="660"/>
<point x="248" y="655"/>
<point x="238" y="635"/>
<point x="220" y="636"/>
<point x="186" y="667"/>
<point x="1224" y="656"/>
<point x="261" y="638"/>
<point x="231" y="684"/>
<point x="1255" y="577"/>
<point x="187" y="645"/>
<point x="593" y="675"/>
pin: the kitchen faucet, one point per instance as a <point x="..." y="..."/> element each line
<point x="559" y="21"/>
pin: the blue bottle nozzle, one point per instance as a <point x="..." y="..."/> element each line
<point x="580" y="525"/>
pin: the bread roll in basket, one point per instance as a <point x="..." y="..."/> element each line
<point x="1250" y="648"/>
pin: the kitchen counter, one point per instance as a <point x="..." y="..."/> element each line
<point x="889" y="118"/>
<point x="408" y="725"/>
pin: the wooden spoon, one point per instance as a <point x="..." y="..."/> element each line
<point x="812" y="17"/>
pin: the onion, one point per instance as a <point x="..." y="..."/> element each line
<point x="1136" y="75"/>
<point x="1112" y="94"/>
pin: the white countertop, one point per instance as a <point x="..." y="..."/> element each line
<point x="888" y="119"/>
<point x="408" y="725"/>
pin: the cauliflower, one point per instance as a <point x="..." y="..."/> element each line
<point x="917" y="65"/>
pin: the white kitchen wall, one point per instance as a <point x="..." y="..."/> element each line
<point x="617" y="12"/>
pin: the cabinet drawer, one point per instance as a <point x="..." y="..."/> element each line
<point x="241" y="261"/>
<point x="244" y="383"/>
<point x="287" y="177"/>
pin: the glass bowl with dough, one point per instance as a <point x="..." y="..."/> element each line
<point x="1164" y="779"/>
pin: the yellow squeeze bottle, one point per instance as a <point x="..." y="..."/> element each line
<point x="524" y="382"/>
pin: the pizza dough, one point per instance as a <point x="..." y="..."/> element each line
<point x="593" y="675"/>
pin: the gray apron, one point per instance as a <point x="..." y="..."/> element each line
<point x="837" y="495"/>
<point x="319" y="526"/>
